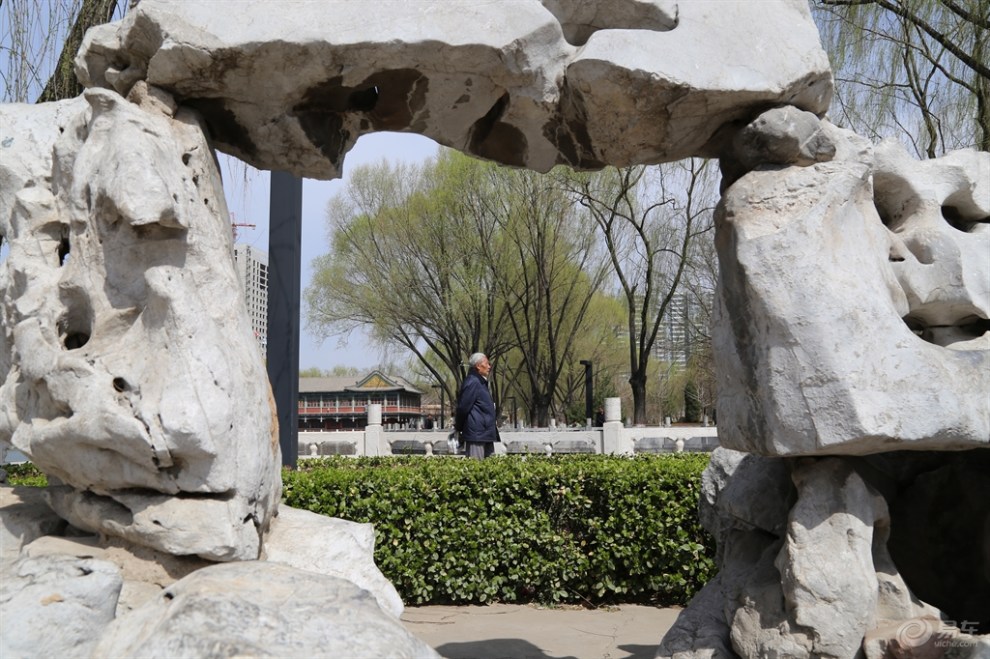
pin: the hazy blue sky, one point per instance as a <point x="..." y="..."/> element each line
<point x="247" y="198"/>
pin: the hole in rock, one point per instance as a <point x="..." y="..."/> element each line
<point x="959" y="221"/>
<point x="497" y="140"/>
<point x="186" y="157"/>
<point x="363" y="100"/>
<point x="939" y="523"/>
<point x="919" y="328"/>
<point x="76" y="325"/>
<point x="75" y="340"/>
<point x="974" y="326"/>
<point x="63" y="250"/>
<point x="932" y="325"/>
<point x="120" y="385"/>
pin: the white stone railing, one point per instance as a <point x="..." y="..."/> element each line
<point x="612" y="438"/>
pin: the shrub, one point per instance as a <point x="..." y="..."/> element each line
<point x="25" y="473"/>
<point x="588" y="529"/>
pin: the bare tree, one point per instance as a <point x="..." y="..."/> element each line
<point x="650" y="219"/>
<point x="38" y="43"/>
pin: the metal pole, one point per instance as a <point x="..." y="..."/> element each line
<point x="284" y="274"/>
<point x="588" y="394"/>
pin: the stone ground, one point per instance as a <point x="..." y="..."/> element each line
<point x="505" y="631"/>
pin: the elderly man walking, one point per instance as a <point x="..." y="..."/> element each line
<point x="475" y="416"/>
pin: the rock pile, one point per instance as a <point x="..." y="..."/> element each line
<point x="852" y="333"/>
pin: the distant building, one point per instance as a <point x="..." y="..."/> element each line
<point x="341" y="403"/>
<point x="680" y="329"/>
<point x="252" y="270"/>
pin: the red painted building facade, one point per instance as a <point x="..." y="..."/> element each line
<point x="341" y="403"/>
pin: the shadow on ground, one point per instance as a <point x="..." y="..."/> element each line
<point x="517" y="648"/>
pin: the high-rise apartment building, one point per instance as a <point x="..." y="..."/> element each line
<point x="252" y="269"/>
<point x="680" y="329"/>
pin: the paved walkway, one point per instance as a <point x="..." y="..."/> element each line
<point x="505" y="631"/>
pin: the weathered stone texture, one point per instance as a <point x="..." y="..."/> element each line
<point x="854" y="293"/>
<point x="260" y="609"/>
<point x="55" y="606"/>
<point x="332" y="547"/>
<point x="130" y="373"/>
<point x="649" y="81"/>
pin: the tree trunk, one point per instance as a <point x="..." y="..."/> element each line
<point x="638" y="384"/>
<point x="540" y="417"/>
<point x="982" y="84"/>
<point x="64" y="83"/>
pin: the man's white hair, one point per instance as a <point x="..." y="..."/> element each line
<point x="475" y="359"/>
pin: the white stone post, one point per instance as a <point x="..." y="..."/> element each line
<point x="374" y="434"/>
<point x="614" y="440"/>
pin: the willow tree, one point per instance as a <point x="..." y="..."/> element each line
<point x="918" y="70"/>
<point x="651" y="221"/>
<point x="39" y="40"/>
<point x="406" y="261"/>
<point x="548" y="268"/>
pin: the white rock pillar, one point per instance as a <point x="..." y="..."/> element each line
<point x="374" y="434"/>
<point x="614" y="440"/>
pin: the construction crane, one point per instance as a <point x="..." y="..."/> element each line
<point x="234" y="224"/>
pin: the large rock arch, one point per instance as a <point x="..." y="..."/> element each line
<point x="127" y="362"/>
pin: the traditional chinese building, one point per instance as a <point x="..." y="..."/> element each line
<point x="341" y="403"/>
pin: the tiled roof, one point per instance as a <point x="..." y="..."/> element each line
<point x="374" y="381"/>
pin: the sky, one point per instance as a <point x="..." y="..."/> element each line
<point x="247" y="192"/>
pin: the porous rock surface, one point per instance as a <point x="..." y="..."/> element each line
<point x="815" y="577"/>
<point x="853" y="302"/>
<point x="128" y="370"/>
<point x="852" y="311"/>
<point x="521" y="82"/>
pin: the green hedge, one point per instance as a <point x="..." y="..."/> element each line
<point x="563" y="529"/>
<point x="25" y="473"/>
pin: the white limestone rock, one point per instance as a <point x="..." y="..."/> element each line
<point x="826" y="563"/>
<point x="700" y="631"/>
<point x="837" y="333"/>
<point x="646" y="82"/>
<point x="56" y="606"/>
<point x="129" y="370"/>
<point x="333" y="547"/>
<point x="260" y="609"/>
<point x="145" y="572"/>
<point x="741" y="491"/>
<point x="24" y="517"/>
<point x="807" y="571"/>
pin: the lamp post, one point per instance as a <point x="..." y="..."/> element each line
<point x="588" y="397"/>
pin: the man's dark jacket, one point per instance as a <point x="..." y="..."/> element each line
<point x="475" y="417"/>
